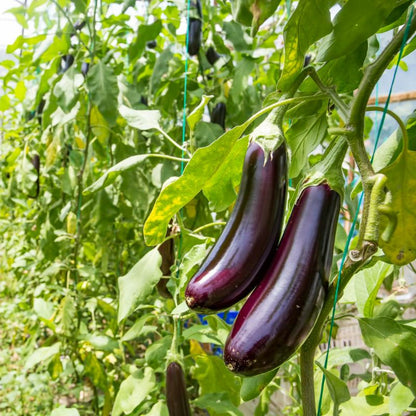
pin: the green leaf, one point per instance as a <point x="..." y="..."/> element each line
<point x="198" y="111"/>
<point x="160" y="408"/>
<point x="401" y="398"/>
<point x="42" y="354"/>
<point x="338" y="389"/>
<point x="201" y="168"/>
<point x="201" y="333"/>
<point x="94" y="370"/>
<point x="133" y="391"/>
<point x="63" y="411"/>
<point x="103" y="88"/>
<point x="303" y="137"/>
<point x="366" y="284"/>
<point x="137" y="328"/>
<point x="217" y="404"/>
<point x="69" y="313"/>
<point x="308" y="23"/>
<point x="80" y="5"/>
<point x="220" y="189"/>
<point x="101" y="342"/>
<point x="214" y="377"/>
<point x="66" y="89"/>
<point x="354" y="24"/>
<point x="359" y="406"/>
<point x="145" y="33"/>
<point x="155" y="354"/>
<point x="111" y="174"/>
<point x="235" y="34"/>
<point x="43" y="308"/>
<point x="401" y="181"/>
<point x="251" y="387"/>
<point x="138" y="283"/>
<point x="141" y="119"/>
<point x="160" y="69"/>
<point x="262" y="10"/>
<point x="394" y="344"/>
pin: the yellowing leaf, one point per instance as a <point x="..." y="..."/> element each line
<point x="99" y="125"/>
<point x="401" y="181"/>
<point x="20" y="91"/>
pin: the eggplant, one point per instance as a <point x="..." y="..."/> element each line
<point x="212" y="55"/>
<point x="167" y="251"/>
<point x="218" y="114"/>
<point x="234" y="265"/>
<point x="85" y="67"/>
<point x="66" y="63"/>
<point x="176" y="394"/>
<point x="151" y="44"/>
<point x="194" y="36"/>
<point x="279" y="314"/>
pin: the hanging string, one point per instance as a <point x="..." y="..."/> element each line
<point x="351" y="233"/>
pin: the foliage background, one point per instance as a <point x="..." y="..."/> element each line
<point x="83" y="328"/>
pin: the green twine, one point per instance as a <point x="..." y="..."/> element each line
<point x="350" y="234"/>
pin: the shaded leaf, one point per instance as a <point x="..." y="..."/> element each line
<point x="394" y="344"/>
<point x="303" y="137"/>
<point x="300" y="33"/>
<point x="401" y="181"/>
<point x="145" y="33"/>
<point x="354" y="24"/>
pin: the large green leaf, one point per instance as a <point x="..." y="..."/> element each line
<point x="303" y="137"/>
<point x="138" y="283"/>
<point x="354" y="24"/>
<point x="64" y="411"/>
<point x="103" y="89"/>
<point x="214" y="377"/>
<point x="308" y="23"/>
<point x="201" y="168"/>
<point x="220" y="189"/>
<point x="401" y="181"/>
<point x="394" y="344"/>
<point x="133" y="391"/>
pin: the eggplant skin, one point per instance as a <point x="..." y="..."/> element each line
<point x="218" y="115"/>
<point x="195" y="34"/>
<point x="279" y="314"/>
<point x="167" y="251"/>
<point x="176" y="394"/>
<point x="235" y="264"/>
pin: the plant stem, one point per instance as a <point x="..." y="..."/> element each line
<point x="307" y="356"/>
<point x="399" y="121"/>
<point x="339" y="102"/>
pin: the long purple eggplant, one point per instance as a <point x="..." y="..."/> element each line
<point x="234" y="265"/>
<point x="281" y="311"/>
<point x="176" y="395"/>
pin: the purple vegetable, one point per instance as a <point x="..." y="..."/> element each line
<point x="281" y="311"/>
<point x="176" y="394"/>
<point x="234" y="265"/>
